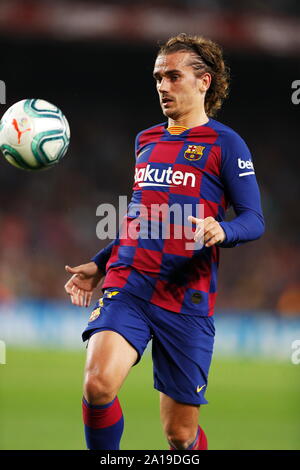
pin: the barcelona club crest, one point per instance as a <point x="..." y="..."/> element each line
<point x="194" y="152"/>
<point x="95" y="313"/>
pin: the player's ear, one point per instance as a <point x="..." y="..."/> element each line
<point x="204" y="82"/>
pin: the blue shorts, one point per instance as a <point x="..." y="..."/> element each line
<point x="182" y="345"/>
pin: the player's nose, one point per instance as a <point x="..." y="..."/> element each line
<point x="163" y="86"/>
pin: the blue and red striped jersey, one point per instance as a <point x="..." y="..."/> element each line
<point x="179" y="172"/>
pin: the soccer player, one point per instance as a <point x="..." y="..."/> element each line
<point x="159" y="287"/>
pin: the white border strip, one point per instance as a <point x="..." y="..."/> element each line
<point x="247" y="173"/>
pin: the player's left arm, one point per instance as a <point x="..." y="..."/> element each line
<point x="208" y="231"/>
<point x="240" y="184"/>
<point x="238" y="177"/>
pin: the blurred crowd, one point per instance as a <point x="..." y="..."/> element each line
<point x="255" y="6"/>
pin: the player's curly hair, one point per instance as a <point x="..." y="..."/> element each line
<point x="207" y="56"/>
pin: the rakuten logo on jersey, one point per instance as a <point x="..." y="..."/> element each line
<point x="163" y="177"/>
<point x="243" y="164"/>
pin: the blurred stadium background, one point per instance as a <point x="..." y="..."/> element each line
<point x="94" y="60"/>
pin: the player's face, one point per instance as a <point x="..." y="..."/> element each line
<point x="180" y="91"/>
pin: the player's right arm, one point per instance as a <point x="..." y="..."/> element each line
<point x="86" y="277"/>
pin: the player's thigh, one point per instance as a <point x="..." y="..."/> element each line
<point x="118" y="335"/>
<point x="182" y="349"/>
<point x="176" y="416"/>
<point x="109" y="358"/>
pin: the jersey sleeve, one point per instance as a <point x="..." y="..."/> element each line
<point x="241" y="188"/>
<point x="102" y="257"/>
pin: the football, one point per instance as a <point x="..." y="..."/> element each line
<point x="34" y="134"/>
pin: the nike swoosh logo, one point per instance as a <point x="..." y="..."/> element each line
<point x="200" y="388"/>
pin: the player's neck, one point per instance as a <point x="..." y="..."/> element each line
<point x="189" y="120"/>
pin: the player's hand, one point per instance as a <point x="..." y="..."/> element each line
<point x="208" y="230"/>
<point x="85" y="278"/>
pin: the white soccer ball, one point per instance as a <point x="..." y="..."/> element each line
<point x="34" y="134"/>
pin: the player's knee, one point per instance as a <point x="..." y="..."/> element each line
<point x="99" y="389"/>
<point x="179" y="437"/>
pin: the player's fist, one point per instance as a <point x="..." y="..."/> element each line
<point x="208" y="230"/>
<point x="85" y="278"/>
